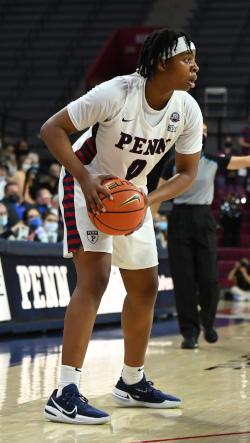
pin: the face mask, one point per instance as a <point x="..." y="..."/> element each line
<point x="2" y="179"/>
<point x="163" y="225"/>
<point x="14" y="198"/>
<point x="228" y="145"/>
<point x="51" y="226"/>
<point x="26" y="167"/>
<point x="3" y="220"/>
<point x="35" y="222"/>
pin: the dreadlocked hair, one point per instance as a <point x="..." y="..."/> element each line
<point x="158" y="43"/>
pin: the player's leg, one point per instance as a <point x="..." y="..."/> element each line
<point x="66" y="404"/>
<point x="138" y="310"/>
<point x="81" y="312"/>
<point x="136" y="256"/>
<point x="133" y="389"/>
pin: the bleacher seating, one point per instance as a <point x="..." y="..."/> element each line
<point x="46" y="47"/>
<point x="222" y="32"/>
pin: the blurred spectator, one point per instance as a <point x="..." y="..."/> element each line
<point x="240" y="276"/>
<point x="54" y="171"/>
<point x="13" y="201"/>
<point x="49" y="178"/>
<point x="3" y="218"/>
<point x="231" y="217"/>
<point x="43" y="200"/>
<point x="244" y="138"/>
<point x="25" y="163"/>
<point x="9" y="158"/>
<point x="32" y="221"/>
<point x="3" y="179"/>
<point x="22" y="148"/>
<point x="49" y="231"/>
<point x="31" y="185"/>
<point x="55" y="202"/>
<point x="228" y="147"/>
<point x="17" y="232"/>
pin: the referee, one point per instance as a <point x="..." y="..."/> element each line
<point x="192" y="248"/>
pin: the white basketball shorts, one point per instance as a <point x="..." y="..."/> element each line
<point x="135" y="251"/>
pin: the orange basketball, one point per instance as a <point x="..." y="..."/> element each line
<point x="124" y="213"/>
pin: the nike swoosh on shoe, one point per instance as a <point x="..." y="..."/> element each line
<point x="71" y="414"/>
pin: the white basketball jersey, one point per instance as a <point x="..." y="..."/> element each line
<point x="120" y="140"/>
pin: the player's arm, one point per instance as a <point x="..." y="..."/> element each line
<point x="186" y="170"/>
<point x="155" y="206"/>
<point x="55" y="134"/>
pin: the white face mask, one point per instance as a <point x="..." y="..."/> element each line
<point x="51" y="226"/>
<point x="3" y="220"/>
<point x="26" y="167"/>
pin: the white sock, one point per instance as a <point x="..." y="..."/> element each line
<point x="69" y="374"/>
<point x="132" y="374"/>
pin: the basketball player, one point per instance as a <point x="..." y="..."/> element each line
<point x="133" y="121"/>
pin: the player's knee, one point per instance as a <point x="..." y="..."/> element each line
<point x="148" y="293"/>
<point x="94" y="286"/>
<point x="100" y="283"/>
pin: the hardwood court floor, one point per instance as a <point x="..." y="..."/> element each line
<point x="214" y="383"/>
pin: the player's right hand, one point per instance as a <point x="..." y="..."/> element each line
<point x="92" y="188"/>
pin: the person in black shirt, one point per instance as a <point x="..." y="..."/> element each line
<point x="240" y="275"/>
<point x="192" y="248"/>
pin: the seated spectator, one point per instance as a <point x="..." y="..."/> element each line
<point x="32" y="221"/>
<point x="240" y="276"/>
<point x="22" y="148"/>
<point x="49" y="231"/>
<point x="53" y="177"/>
<point x="46" y="178"/>
<point x="17" y="232"/>
<point x="13" y="200"/>
<point x="9" y="158"/>
<point x="43" y="200"/>
<point x="3" y="218"/>
<point x="31" y="185"/>
<point x="25" y="163"/>
<point x="3" y="179"/>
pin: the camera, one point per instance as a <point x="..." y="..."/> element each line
<point x="244" y="262"/>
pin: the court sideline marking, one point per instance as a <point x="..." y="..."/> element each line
<point x="193" y="436"/>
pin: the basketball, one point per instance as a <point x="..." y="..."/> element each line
<point x="124" y="213"/>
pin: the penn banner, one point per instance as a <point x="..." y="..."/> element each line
<point x="36" y="284"/>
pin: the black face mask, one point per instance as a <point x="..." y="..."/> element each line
<point x="228" y="145"/>
<point x="14" y="198"/>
